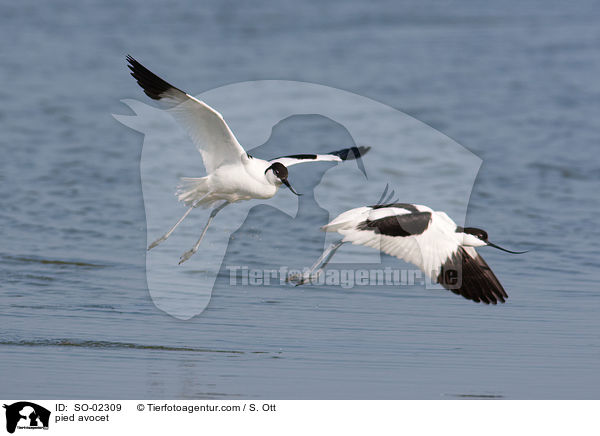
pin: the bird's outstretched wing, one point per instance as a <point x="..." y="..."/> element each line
<point x="207" y="128"/>
<point x="466" y="273"/>
<point x="333" y="156"/>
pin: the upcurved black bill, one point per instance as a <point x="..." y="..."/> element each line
<point x="504" y="249"/>
<point x="286" y="183"/>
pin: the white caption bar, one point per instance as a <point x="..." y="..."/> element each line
<point x="264" y="417"/>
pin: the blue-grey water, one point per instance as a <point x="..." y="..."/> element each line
<point x="515" y="83"/>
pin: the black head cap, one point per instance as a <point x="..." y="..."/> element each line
<point x="478" y="233"/>
<point x="281" y="172"/>
<point x="279" y="169"/>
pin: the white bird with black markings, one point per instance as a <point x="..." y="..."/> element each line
<point x="232" y="174"/>
<point x="426" y="238"/>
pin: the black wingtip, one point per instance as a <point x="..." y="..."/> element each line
<point x="153" y="86"/>
<point x="354" y="153"/>
<point x="351" y="153"/>
<point x="471" y="278"/>
<point x="386" y="198"/>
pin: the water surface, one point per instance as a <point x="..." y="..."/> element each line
<point x="516" y="84"/>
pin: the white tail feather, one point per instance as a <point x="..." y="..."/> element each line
<point x="192" y="189"/>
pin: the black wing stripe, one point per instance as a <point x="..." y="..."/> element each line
<point x="398" y="225"/>
<point x="301" y="156"/>
<point x="153" y="86"/>
<point x="472" y="278"/>
<point x="410" y="207"/>
<point x="344" y="154"/>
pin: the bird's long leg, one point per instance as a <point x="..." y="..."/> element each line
<point x="166" y="235"/>
<point x="319" y="265"/>
<point x="185" y="256"/>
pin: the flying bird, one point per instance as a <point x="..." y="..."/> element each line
<point x="232" y="174"/>
<point x="426" y="238"/>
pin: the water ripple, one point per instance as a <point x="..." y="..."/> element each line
<point x="109" y="344"/>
